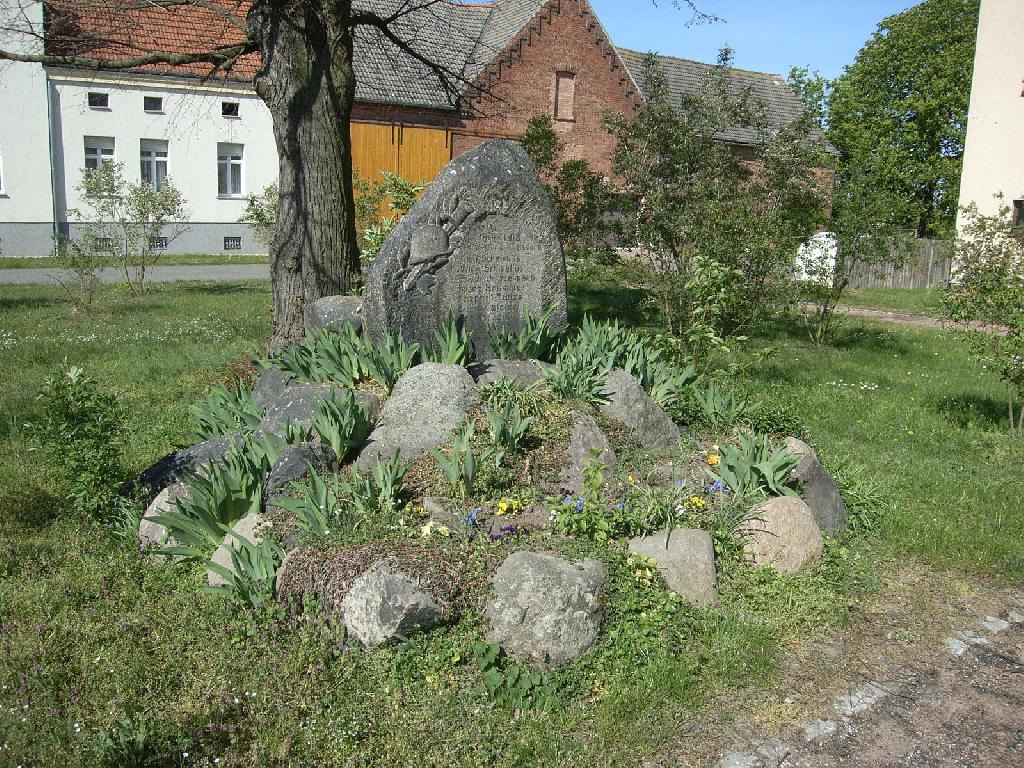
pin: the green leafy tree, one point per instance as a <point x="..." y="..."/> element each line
<point x="132" y="224"/>
<point x="899" y="112"/>
<point x="715" y="238"/>
<point x="985" y="300"/>
<point x="581" y="196"/>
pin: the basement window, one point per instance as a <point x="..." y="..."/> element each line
<point x="229" y="109"/>
<point x="152" y="104"/>
<point x="97" y="100"/>
<point x="158" y="243"/>
<point x="1017" y="222"/>
<point x="232" y="243"/>
<point x="565" y="96"/>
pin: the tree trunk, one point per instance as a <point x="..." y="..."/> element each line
<point x="307" y="81"/>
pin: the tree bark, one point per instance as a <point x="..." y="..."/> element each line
<point x="308" y="83"/>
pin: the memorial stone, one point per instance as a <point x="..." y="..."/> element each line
<point x="481" y="245"/>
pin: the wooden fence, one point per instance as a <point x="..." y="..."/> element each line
<point x="928" y="266"/>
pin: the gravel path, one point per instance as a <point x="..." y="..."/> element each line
<point x="158" y="274"/>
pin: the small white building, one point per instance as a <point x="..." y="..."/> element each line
<point x="213" y="139"/>
<point x="994" y="152"/>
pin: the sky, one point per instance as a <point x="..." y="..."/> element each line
<point x="766" y="35"/>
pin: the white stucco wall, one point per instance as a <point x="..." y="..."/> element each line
<point x="994" y="152"/>
<point x="191" y="123"/>
<point x="26" y="202"/>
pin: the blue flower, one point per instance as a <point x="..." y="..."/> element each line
<point x="718" y="485"/>
<point x="621" y="505"/>
<point x="509" y="530"/>
<point x="579" y="504"/>
<point x="680" y="483"/>
<point x="470" y="519"/>
<point x="567" y="500"/>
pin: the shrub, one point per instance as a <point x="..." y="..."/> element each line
<point x="82" y="430"/>
<point x="536" y="340"/>
<point x="460" y="466"/>
<point x="451" y="344"/>
<point x="224" y="411"/>
<point x="387" y="360"/>
<point x="253" y="574"/>
<point x="754" y="466"/>
<point x="317" y="507"/>
<point x="341" y="422"/>
<point x="508" y="430"/>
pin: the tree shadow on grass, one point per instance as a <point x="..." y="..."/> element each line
<point x="974" y="411"/>
<point x="606" y="302"/>
<point x="847" y="337"/>
<point x="17" y="303"/>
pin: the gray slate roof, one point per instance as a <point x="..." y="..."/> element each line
<point x="463" y="39"/>
<point x="684" y="78"/>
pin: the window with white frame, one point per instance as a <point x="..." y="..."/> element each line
<point x="98" y="149"/>
<point x="152" y="103"/>
<point x="229" y="170"/>
<point x="98" y="100"/>
<point x="153" y="159"/>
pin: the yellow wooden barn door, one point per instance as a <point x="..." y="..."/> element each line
<point x="422" y="153"/>
<point x="374" y="149"/>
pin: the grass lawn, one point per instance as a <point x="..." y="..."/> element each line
<point x="103" y="650"/>
<point x="168" y="260"/>
<point x="916" y="301"/>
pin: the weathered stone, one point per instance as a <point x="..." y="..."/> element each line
<point x="585" y="438"/>
<point x="481" y="244"/>
<point x="817" y="487"/>
<point x="686" y="558"/>
<point x="294" y="463"/>
<point x="646" y="420"/>
<point x="782" y="533"/>
<point x="177" y="465"/>
<point x="270" y="385"/>
<point x="427" y="403"/>
<point x="249" y="528"/>
<point x="545" y="610"/>
<point x="522" y="373"/>
<point x="298" y="402"/>
<point x="334" y="312"/>
<point x="383" y="605"/>
<point x="152" y="533"/>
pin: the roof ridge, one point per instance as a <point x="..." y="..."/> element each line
<point x="701" y="63"/>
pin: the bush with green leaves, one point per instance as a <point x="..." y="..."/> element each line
<point x="985" y="300"/>
<point x="508" y="430"/>
<point x="451" y="345"/>
<point x="535" y="340"/>
<point x="379" y="490"/>
<point x="754" y="466"/>
<point x="225" y="411"/>
<point x="334" y="355"/>
<point x="721" y="406"/>
<point x="461" y="465"/>
<point x="511" y="686"/>
<point x="217" y="498"/>
<point x="82" y="431"/>
<point x="252" y="577"/>
<point x="341" y="422"/>
<point x="531" y="400"/>
<point x="388" y="359"/>
<point x="317" y="507"/>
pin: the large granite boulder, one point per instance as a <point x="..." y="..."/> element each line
<point x="545" y="610"/>
<point x="686" y="558"/>
<point x="294" y="463"/>
<point x="426" y="405"/>
<point x="250" y="528"/>
<point x="585" y="439"/>
<point x="817" y="487"/>
<point x="270" y="385"/>
<point x="646" y="420"/>
<point x="334" y="312"/>
<point x="782" y="533"/>
<point x="385" y="604"/>
<point x="177" y="465"/>
<point x="481" y="244"/>
<point x="522" y="373"/>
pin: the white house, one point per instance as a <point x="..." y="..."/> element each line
<point x="994" y="152"/>
<point x="213" y="139"/>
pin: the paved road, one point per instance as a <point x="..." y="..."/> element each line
<point x="156" y="274"/>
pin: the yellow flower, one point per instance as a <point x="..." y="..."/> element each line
<point x="631" y="479"/>
<point x="426" y="531"/>
<point x="713" y="459"/>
